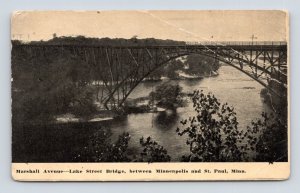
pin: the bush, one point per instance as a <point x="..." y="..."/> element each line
<point x="153" y="152"/>
<point x="44" y="87"/>
<point x="269" y="135"/>
<point x="213" y="134"/>
<point x="167" y="95"/>
<point x="82" y="104"/>
<point x="100" y="148"/>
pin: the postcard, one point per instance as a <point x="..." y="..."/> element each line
<point x="148" y="95"/>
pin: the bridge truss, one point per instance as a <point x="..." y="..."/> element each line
<point x="122" y="68"/>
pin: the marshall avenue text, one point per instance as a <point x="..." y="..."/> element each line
<point x="131" y="171"/>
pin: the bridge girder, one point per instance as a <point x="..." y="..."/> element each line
<point x="122" y="68"/>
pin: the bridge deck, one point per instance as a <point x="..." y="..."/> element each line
<point x="212" y="47"/>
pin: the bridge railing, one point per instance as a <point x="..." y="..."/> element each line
<point x="241" y="43"/>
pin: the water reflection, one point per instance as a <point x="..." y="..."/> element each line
<point x="166" y="120"/>
<point x="192" y="82"/>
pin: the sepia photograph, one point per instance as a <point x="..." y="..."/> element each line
<point x="150" y="87"/>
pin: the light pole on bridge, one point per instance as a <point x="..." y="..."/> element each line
<point x="253" y="38"/>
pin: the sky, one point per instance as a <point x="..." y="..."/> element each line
<point x="176" y="25"/>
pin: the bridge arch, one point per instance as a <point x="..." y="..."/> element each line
<point x="140" y="61"/>
<point x="218" y="57"/>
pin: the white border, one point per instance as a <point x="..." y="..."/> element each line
<point x="8" y="185"/>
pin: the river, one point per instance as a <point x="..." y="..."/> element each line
<point x="59" y="142"/>
<point x="231" y="86"/>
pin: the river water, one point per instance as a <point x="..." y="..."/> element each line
<point x="231" y="86"/>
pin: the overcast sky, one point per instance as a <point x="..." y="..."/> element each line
<point x="176" y="25"/>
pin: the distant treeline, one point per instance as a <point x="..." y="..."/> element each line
<point x="81" y="40"/>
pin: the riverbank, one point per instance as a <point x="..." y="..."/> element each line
<point x="181" y="75"/>
<point x="103" y="115"/>
<point x="131" y="105"/>
<point x="275" y="103"/>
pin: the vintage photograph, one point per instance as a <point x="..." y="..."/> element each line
<point x="149" y="86"/>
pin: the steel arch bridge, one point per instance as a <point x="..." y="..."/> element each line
<point x="122" y="68"/>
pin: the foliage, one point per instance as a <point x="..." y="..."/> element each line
<point x="168" y="70"/>
<point x="269" y="135"/>
<point x="197" y="65"/>
<point x="167" y="95"/>
<point x="100" y="149"/>
<point x="213" y="133"/>
<point x="82" y="104"/>
<point x="82" y="40"/>
<point x="47" y="85"/>
<point x="172" y="67"/>
<point x="153" y="152"/>
<point x="52" y="81"/>
<point x="156" y="74"/>
<point x="118" y="150"/>
<point x="201" y="65"/>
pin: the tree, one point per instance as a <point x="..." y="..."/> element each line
<point x="100" y="148"/>
<point x="213" y="134"/>
<point x="49" y="84"/>
<point x="201" y="65"/>
<point x="268" y="137"/>
<point x="167" y="95"/>
<point x="172" y="67"/>
<point x="153" y="152"/>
